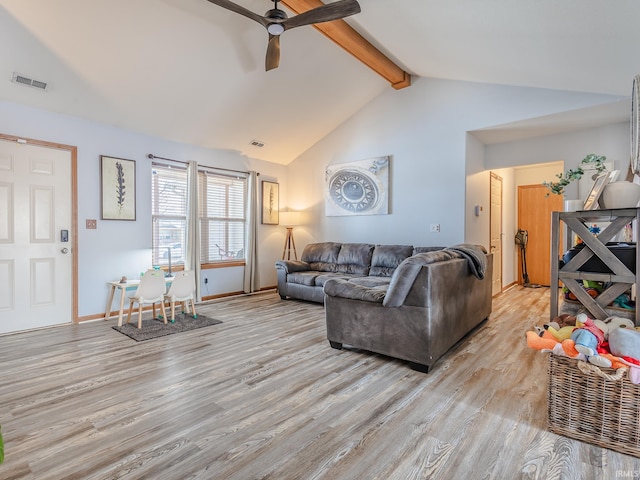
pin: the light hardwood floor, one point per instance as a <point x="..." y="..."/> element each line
<point x="263" y="396"/>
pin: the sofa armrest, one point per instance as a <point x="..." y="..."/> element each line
<point x="337" y="287"/>
<point x="290" y="266"/>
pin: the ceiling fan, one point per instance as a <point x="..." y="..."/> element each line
<point x="276" y="21"/>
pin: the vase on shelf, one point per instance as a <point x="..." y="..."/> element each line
<point x="573" y="205"/>
<point x="620" y="195"/>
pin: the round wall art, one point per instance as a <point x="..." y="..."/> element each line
<point x="358" y="188"/>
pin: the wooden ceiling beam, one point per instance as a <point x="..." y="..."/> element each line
<point x="344" y="35"/>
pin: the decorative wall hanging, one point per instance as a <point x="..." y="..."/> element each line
<point x="118" y="188"/>
<point x="358" y="188"/>
<point x="270" y="201"/>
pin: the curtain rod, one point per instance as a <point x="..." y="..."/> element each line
<point x="152" y="156"/>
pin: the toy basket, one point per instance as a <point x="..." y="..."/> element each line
<point x="595" y="405"/>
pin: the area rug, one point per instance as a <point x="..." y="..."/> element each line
<point x="154" y="328"/>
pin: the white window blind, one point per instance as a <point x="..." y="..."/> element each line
<point x="169" y="213"/>
<point x="222" y="206"/>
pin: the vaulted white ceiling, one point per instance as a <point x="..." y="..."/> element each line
<point x="190" y="71"/>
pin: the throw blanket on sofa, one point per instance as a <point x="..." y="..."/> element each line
<point x="408" y="270"/>
<point x="475" y="255"/>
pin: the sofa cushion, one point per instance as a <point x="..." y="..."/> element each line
<point x="337" y="287"/>
<point x="323" y="277"/>
<point x="322" y="257"/>
<point x="386" y="258"/>
<point x="354" y="258"/>
<point x="303" y="278"/>
<point x="371" y="281"/>
<point x="417" y="250"/>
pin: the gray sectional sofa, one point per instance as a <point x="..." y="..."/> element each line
<point x="361" y="263"/>
<point x="409" y="303"/>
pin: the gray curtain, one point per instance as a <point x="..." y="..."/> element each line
<point x="192" y="258"/>
<point x="251" y="283"/>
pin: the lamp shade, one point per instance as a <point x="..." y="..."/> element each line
<point x="290" y="219"/>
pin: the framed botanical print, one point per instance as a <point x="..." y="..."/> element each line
<point x="270" y="200"/>
<point x="118" y="188"/>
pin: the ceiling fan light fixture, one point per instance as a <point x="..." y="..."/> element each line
<point x="276" y="21"/>
<point x="275" y="28"/>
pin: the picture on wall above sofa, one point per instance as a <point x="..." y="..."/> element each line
<point x="358" y="188"/>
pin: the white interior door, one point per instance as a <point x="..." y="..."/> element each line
<point x="496" y="232"/>
<point x="36" y="266"/>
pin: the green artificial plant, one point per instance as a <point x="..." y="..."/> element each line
<point x="1" y="448"/>
<point x="570" y="175"/>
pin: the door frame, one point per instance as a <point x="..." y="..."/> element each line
<point x="539" y="206"/>
<point x="73" y="151"/>
<point x="494" y="176"/>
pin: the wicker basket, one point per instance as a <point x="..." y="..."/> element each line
<point x="585" y="405"/>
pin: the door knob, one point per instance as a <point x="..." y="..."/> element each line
<point x="65" y="250"/>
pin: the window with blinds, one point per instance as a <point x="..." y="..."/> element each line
<point x="222" y="206"/>
<point x="169" y="214"/>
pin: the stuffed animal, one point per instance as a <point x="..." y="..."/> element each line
<point x="588" y="338"/>
<point x="625" y="342"/>
<point x="618" y="322"/>
<point x="546" y="341"/>
<point x="562" y="326"/>
<point x="568" y="348"/>
<point x="561" y="321"/>
<point x="593" y="334"/>
<point x="561" y="334"/>
<point x="624" y="301"/>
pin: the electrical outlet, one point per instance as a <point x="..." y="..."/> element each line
<point x="435" y="228"/>
<point x="206" y="280"/>
<point x="92" y="224"/>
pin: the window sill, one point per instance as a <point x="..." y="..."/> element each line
<point x="225" y="264"/>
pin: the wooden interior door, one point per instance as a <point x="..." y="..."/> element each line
<point x="496" y="232"/>
<point x="534" y="215"/>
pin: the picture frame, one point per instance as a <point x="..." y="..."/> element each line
<point x="270" y="203"/>
<point x="358" y="188"/>
<point x="591" y="202"/>
<point x="117" y="188"/>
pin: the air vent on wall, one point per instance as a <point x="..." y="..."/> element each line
<point x="29" y="82"/>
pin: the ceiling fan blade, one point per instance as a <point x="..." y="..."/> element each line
<point x="326" y="13"/>
<point x="241" y="10"/>
<point x="273" y="53"/>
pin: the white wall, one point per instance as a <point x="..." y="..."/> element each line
<point x="119" y="248"/>
<point x="570" y="148"/>
<point x="562" y="151"/>
<point x="477" y="194"/>
<point x="424" y="130"/>
<point x="432" y="176"/>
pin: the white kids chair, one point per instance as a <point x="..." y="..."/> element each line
<point x="150" y="291"/>
<point x="183" y="289"/>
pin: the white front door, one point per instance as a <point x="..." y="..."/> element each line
<point x="36" y="266"/>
